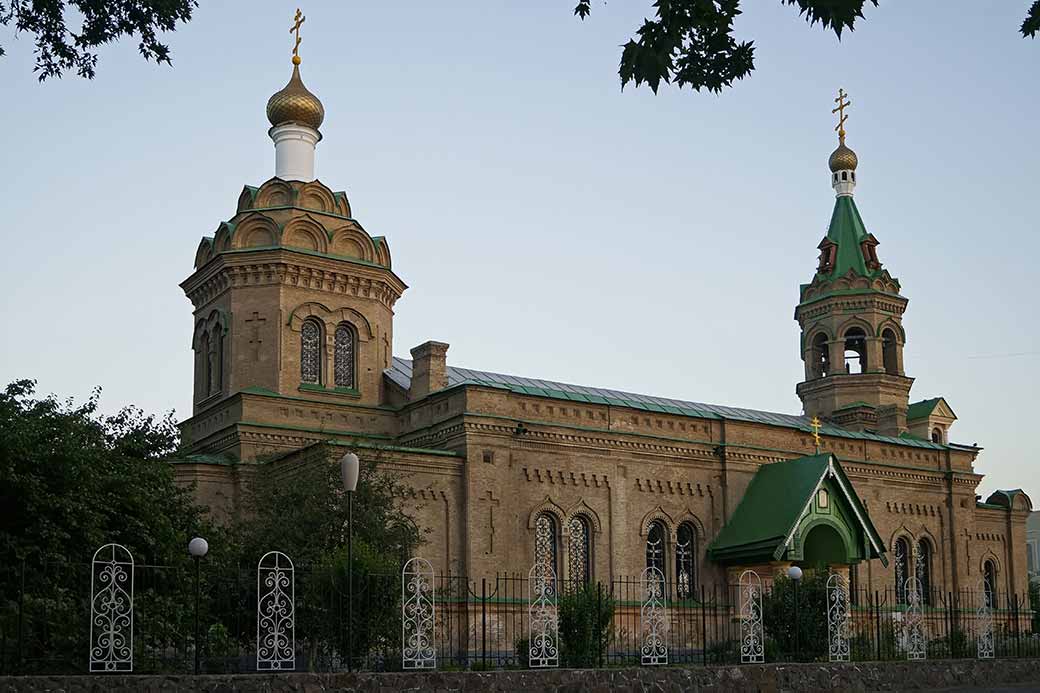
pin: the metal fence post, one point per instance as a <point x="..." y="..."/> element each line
<point x="483" y="623"/>
<point x="600" y="644"/>
<point x="877" y="621"/>
<point x="704" y="630"/>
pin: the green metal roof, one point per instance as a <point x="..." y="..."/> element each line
<point x="774" y="503"/>
<point x="922" y="409"/>
<point x="847" y="231"/>
<point x="400" y="372"/>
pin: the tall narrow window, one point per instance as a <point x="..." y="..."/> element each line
<point x="204" y="378"/>
<point x="888" y="352"/>
<point x="545" y="541"/>
<point x="902" y="568"/>
<point x="855" y="350"/>
<point x="344" y="349"/>
<point x="216" y="356"/>
<point x="854" y="584"/>
<point x="310" y="352"/>
<point x="821" y="356"/>
<point x="686" y="561"/>
<point x="656" y="538"/>
<point x="923" y="569"/>
<point x="579" y="557"/>
<point x="989" y="583"/>
<point x="937" y="435"/>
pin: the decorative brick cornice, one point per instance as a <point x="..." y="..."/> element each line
<point x="681" y="488"/>
<point x="281" y="267"/>
<point x="566" y="478"/>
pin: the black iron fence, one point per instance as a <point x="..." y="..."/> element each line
<point x="484" y="623"/>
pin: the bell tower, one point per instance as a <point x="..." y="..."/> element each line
<point x="293" y="304"/>
<point x="851" y="317"/>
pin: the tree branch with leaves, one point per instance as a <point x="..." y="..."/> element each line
<point x="690" y="43"/>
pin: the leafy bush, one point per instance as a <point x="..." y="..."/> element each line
<point x="809" y="629"/>
<point x="585" y="613"/>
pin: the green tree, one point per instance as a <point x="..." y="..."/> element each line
<point x="780" y="624"/>
<point x="298" y="507"/>
<point x="691" y="43"/>
<point x="586" y="613"/>
<point x="72" y="479"/>
<point x="61" y="47"/>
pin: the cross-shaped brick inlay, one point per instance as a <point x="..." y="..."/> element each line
<point x="492" y="502"/>
<point x="255" y="340"/>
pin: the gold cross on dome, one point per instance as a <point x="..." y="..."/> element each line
<point x="816" y="431"/>
<point x="297" y="21"/>
<point x="840" y="110"/>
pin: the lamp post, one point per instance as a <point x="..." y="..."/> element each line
<point x="349" y="466"/>
<point x="795" y="573"/>
<point x="197" y="548"/>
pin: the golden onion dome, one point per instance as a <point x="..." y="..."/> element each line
<point x="843" y="158"/>
<point x="294" y="104"/>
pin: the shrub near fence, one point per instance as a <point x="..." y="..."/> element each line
<point x="480" y="623"/>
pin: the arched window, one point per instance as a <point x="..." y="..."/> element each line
<point x="989" y="582"/>
<point x="821" y="364"/>
<point x="855" y="350"/>
<point x="204" y="380"/>
<point x="686" y="561"/>
<point x="888" y="352"/>
<point x="310" y="352"/>
<point x="901" y="566"/>
<point x="216" y="357"/>
<point x="346" y="339"/>
<point x="656" y="541"/>
<point x="545" y="541"/>
<point x="923" y="569"/>
<point x="937" y="435"/>
<point x="579" y="546"/>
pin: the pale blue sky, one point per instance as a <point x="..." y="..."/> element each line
<point x="548" y="224"/>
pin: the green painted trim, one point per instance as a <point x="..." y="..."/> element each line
<point x="264" y="392"/>
<point x="398" y="448"/>
<point x="741" y="446"/>
<point x="848" y="292"/>
<point x="302" y="251"/>
<point x="832" y="431"/>
<point x="353" y="434"/>
<point x="310" y="387"/>
<point x="302" y="209"/>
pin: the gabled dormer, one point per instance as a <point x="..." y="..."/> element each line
<point x="930" y="419"/>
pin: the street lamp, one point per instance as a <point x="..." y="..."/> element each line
<point x="349" y="467"/>
<point x="197" y="548"/>
<point x="795" y="573"/>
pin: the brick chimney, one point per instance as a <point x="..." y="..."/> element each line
<point x="429" y="369"/>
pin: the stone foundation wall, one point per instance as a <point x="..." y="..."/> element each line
<point x="767" y="678"/>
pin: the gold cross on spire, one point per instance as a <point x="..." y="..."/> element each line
<point x="297" y="21"/>
<point x="840" y="110"/>
<point x="816" y="432"/>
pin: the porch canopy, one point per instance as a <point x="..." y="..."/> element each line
<point x="804" y="511"/>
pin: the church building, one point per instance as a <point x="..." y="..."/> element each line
<point x="293" y="340"/>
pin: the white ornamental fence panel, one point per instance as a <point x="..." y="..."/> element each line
<point x="838" y="618"/>
<point x="112" y="609"/>
<point x="654" y="649"/>
<point x="275" y="613"/>
<point x="542" y="612"/>
<point x="752" y="642"/>
<point x="984" y="623"/>
<point x="417" y="615"/>
<point x="916" y="638"/>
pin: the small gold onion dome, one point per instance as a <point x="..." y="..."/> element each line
<point x="842" y="158"/>
<point x="294" y="104"/>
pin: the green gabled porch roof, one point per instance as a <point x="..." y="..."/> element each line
<point x="774" y="504"/>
